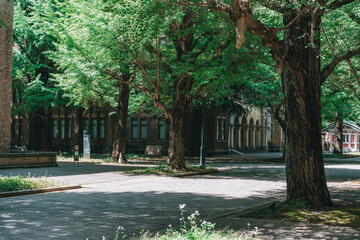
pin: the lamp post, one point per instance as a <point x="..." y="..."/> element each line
<point x="202" y="148"/>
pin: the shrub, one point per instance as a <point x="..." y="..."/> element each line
<point x="17" y="183"/>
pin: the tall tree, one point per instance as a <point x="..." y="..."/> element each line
<point x="171" y="55"/>
<point x="6" y="36"/>
<point x="297" y="54"/>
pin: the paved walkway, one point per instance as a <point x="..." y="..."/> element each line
<point x="112" y="198"/>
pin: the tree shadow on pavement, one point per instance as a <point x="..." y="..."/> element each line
<point x="83" y="213"/>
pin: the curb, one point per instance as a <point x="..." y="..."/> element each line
<point x="36" y="191"/>
<point x="195" y="174"/>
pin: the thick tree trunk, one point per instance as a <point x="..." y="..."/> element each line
<point x="305" y="174"/>
<point x="6" y="35"/>
<point x="338" y="144"/>
<point x="176" y="142"/>
<point x="119" y="144"/>
<point x="177" y="127"/>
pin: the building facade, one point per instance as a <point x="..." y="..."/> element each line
<point x="62" y="129"/>
<point x="351" y="137"/>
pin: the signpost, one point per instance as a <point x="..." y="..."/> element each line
<point x="86" y="145"/>
<point x="76" y="154"/>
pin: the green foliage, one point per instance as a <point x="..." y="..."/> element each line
<point x="338" y="100"/>
<point x="100" y="42"/>
<point x="17" y="183"/>
<point x="31" y="66"/>
<point x="340" y="93"/>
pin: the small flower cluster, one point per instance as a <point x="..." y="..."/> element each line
<point x="182" y="206"/>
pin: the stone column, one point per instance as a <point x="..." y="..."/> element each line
<point x="6" y="31"/>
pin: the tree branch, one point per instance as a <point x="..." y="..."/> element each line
<point x="274" y="6"/>
<point x="338" y="4"/>
<point x="293" y="21"/>
<point x="351" y="87"/>
<point x="330" y="67"/>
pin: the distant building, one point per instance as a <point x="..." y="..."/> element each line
<point x="351" y="137"/>
<point x="62" y="128"/>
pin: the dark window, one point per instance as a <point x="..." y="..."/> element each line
<point x="69" y="128"/>
<point x="161" y="129"/>
<point x="55" y="128"/>
<point x="218" y="129"/>
<point x="86" y="125"/>
<point x="134" y="128"/>
<point x="143" y="128"/>
<point x="102" y="128"/>
<point x="94" y="132"/>
<point x="223" y="129"/>
<point x="62" y="128"/>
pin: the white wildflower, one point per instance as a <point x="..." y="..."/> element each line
<point x="181" y="206"/>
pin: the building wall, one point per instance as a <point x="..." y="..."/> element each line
<point x="6" y="15"/>
<point x="276" y="141"/>
<point x="248" y="132"/>
<point x="216" y="125"/>
<point x="62" y="129"/>
<point x="136" y="143"/>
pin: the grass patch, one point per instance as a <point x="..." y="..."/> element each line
<point x="162" y="169"/>
<point x="17" y="183"/>
<point x="341" y="215"/>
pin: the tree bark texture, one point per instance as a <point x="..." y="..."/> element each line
<point x="305" y="174"/>
<point x="338" y="144"/>
<point x="119" y="143"/>
<point x="6" y="36"/>
<point x="176" y="151"/>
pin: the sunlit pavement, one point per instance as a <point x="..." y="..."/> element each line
<point x="111" y="198"/>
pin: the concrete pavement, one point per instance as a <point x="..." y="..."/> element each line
<point x="111" y="198"/>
